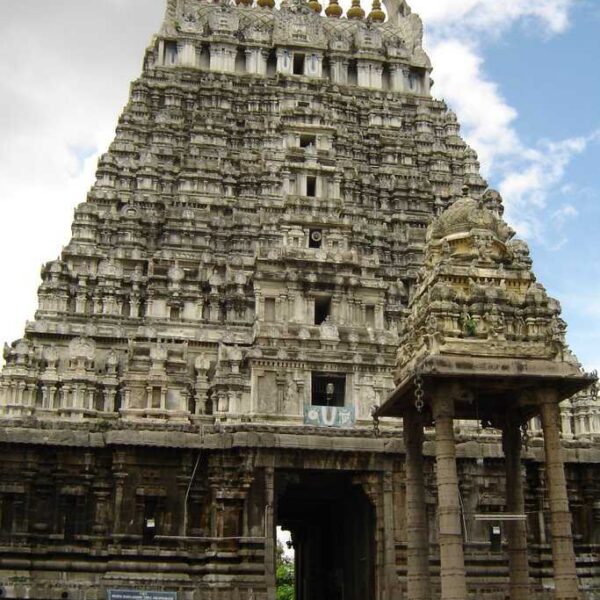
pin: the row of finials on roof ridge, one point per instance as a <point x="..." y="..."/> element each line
<point x="333" y="9"/>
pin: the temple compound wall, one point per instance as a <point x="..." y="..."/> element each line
<point x="239" y="296"/>
<point x="132" y="510"/>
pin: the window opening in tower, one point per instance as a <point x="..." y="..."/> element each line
<point x="299" y="64"/>
<point x="308" y="140"/>
<point x="495" y="538"/>
<point x="156" y="397"/>
<point x="170" y="53"/>
<point x="370" y="316"/>
<point x="315" y="238"/>
<point x="322" y="309"/>
<point x="75" y="516"/>
<point x="149" y="529"/>
<point x="269" y="309"/>
<point x="328" y="389"/>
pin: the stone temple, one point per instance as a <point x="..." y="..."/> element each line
<point x="290" y="300"/>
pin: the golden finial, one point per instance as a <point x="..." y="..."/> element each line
<point x="376" y="13"/>
<point x="266" y="3"/>
<point x="334" y="9"/>
<point x="356" y="11"/>
<point x="314" y="4"/>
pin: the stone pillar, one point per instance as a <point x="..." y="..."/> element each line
<point x="566" y="413"/>
<point x="101" y="495"/>
<point x="376" y="76"/>
<point x="284" y="61"/>
<point x="417" y="535"/>
<point x="29" y="394"/>
<point x="20" y="392"/>
<point x="119" y="484"/>
<point x="184" y="479"/>
<point x="595" y="533"/>
<point x="518" y="561"/>
<point x="270" y="531"/>
<point x="541" y="495"/>
<point x="452" y="561"/>
<point x="391" y="576"/>
<point x="110" y="391"/>
<point x="563" y="554"/>
<point x="161" y="52"/>
<point x="426" y="84"/>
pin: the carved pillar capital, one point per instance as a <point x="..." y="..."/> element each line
<point x="443" y="398"/>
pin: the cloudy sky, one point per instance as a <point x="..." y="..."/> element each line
<point x="521" y="75"/>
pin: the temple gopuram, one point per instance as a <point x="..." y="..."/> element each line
<point x="290" y="301"/>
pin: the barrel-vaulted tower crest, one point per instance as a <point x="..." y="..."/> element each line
<point x="275" y="249"/>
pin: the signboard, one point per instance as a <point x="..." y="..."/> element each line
<point x="329" y="416"/>
<point x="140" y="595"/>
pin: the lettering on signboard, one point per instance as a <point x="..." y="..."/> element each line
<point x="140" y="595"/>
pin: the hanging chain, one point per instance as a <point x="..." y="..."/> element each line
<point x="525" y="435"/>
<point x="376" y="430"/>
<point x="419" y="402"/>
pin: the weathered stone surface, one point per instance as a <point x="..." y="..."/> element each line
<point x="255" y="249"/>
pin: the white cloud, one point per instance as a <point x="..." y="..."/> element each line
<point x="544" y="167"/>
<point x="456" y="33"/>
<point x="492" y="16"/>
<point x="486" y="118"/>
<point x="62" y="84"/>
<point x="533" y="178"/>
<point x="584" y="307"/>
<point x="61" y="92"/>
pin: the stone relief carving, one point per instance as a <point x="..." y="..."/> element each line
<point x="291" y="397"/>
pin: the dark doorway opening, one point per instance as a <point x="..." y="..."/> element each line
<point x="322" y="309"/>
<point x="495" y="538"/>
<point x="150" y="523"/>
<point x="75" y="516"/>
<point x="315" y="239"/>
<point x="298" y="64"/>
<point x="333" y="533"/>
<point x="308" y="140"/>
<point x="328" y="389"/>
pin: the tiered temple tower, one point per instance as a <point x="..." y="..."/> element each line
<point x="276" y="239"/>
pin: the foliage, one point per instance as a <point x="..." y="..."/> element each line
<point x="469" y="325"/>
<point x="284" y="575"/>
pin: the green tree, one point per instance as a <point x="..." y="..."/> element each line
<point x="284" y="575"/>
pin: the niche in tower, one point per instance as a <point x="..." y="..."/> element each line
<point x="272" y="63"/>
<point x="299" y="60"/>
<point x="328" y="389"/>
<point x="315" y="238"/>
<point x="307" y="140"/>
<point x="152" y="507"/>
<point x="270" y="309"/>
<point x="170" y="50"/>
<point x="352" y="73"/>
<point x="322" y="309"/>
<point x="370" y="316"/>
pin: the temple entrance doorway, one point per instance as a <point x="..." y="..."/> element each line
<point x="332" y="524"/>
